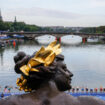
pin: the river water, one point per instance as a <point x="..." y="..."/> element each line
<point x="85" y="60"/>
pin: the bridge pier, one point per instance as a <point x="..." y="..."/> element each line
<point x="84" y="40"/>
<point x="58" y="39"/>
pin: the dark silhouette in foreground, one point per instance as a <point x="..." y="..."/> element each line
<point x="48" y="86"/>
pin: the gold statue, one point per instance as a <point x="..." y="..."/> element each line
<point x="44" y="56"/>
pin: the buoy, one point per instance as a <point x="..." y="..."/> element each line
<point x="60" y="39"/>
<point x="56" y="38"/>
<point x="14" y="43"/>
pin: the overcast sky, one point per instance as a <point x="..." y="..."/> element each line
<point x="55" y="12"/>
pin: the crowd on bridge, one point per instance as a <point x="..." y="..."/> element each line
<point x="87" y="90"/>
<point x="9" y="89"/>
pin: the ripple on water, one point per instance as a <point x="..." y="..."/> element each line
<point x="85" y="61"/>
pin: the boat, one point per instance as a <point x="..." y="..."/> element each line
<point x="2" y="44"/>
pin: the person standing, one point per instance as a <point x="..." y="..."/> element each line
<point x="2" y="95"/>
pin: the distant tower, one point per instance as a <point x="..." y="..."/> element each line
<point x="15" y="20"/>
<point x="0" y="15"/>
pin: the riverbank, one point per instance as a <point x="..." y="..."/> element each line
<point x="4" y="39"/>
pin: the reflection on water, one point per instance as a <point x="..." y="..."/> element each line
<point x="86" y="61"/>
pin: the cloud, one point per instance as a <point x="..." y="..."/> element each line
<point x="98" y="3"/>
<point x="35" y="11"/>
<point x="44" y="17"/>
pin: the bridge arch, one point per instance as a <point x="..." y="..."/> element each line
<point x="44" y="39"/>
<point x="36" y="36"/>
<point x="71" y="39"/>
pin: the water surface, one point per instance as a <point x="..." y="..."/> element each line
<point x="85" y="61"/>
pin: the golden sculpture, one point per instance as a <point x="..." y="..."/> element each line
<point x="44" y="56"/>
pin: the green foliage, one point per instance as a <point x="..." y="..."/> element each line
<point x="88" y="30"/>
<point x="31" y="28"/>
<point x="18" y="26"/>
<point x="100" y="30"/>
<point x="21" y="26"/>
<point x="2" y="26"/>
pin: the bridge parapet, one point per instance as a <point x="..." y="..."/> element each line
<point x="56" y="34"/>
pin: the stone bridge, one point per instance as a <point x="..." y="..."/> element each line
<point x="58" y="35"/>
<point x="55" y="34"/>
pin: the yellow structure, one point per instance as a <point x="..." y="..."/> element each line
<point x="44" y="56"/>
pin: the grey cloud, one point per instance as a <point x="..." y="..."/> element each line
<point x="46" y="13"/>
